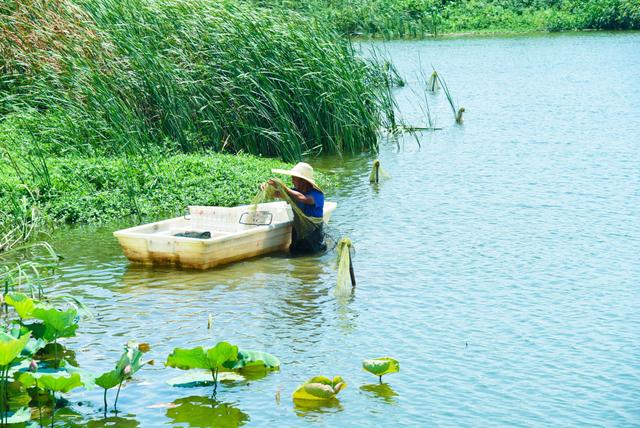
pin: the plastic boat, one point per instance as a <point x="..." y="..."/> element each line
<point x="236" y="233"/>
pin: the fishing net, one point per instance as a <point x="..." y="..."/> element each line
<point x="303" y="224"/>
<point x="377" y="173"/>
<point x="346" y="278"/>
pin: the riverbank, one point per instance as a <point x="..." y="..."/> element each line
<point x="424" y="18"/>
<point x="116" y="108"/>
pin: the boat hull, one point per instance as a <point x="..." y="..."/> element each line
<point x="231" y="241"/>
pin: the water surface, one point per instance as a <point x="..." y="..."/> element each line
<point x="499" y="264"/>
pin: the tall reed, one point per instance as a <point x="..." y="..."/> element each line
<point x="120" y="76"/>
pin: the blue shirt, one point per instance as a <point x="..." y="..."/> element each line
<point x="315" y="209"/>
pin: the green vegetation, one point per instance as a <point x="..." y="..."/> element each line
<point x="319" y="389"/>
<point x="223" y="356"/>
<point x="128" y="364"/>
<point x="419" y="18"/>
<point x="107" y="77"/>
<point x="116" y="108"/>
<point x="381" y="366"/>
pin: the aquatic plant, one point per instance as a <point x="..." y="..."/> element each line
<point x="212" y="359"/>
<point x="433" y="84"/>
<point x="319" y="388"/>
<point x="381" y="366"/>
<point x="106" y="78"/>
<point x="25" y="266"/>
<point x="10" y="349"/>
<point x="128" y="364"/>
<point x="248" y="360"/>
<point x="346" y="276"/>
<point x="457" y="112"/>
<point x="377" y="172"/>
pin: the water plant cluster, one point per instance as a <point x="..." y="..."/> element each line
<point x="36" y="370"/>
<point x="422" y="18"/>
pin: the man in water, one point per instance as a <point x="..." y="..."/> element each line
<point x="307" y="236"/>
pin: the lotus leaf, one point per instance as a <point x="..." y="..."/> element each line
<point x="58" y="323"/>
<point x="10" y="347"/>
<point x="109" y="379"/>
<point x="319" y="388"/>
<point x="60" y="381"/>
<point x="198" y="358"/>
<point x="33" y="346"/>
<point x="87" y="378"/>
<point x="250" y="360"/>
<point x="23" y="305"/>
<point x="381" y="366"/>
<point x="202" y="378"/>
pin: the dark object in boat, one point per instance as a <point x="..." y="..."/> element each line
<point x="196" y="235"/>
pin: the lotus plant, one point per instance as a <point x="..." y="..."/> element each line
<point x="381" y="366"/>
<point x="130" y="362"/>
<point x="212" y="359"/>
<point x="319" y="388"/>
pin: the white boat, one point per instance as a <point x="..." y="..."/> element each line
<point x="237" y="233"/>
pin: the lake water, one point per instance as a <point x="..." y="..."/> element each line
<point x="499" y="264"/>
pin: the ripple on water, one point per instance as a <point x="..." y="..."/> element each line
<point x="498" y="264"/>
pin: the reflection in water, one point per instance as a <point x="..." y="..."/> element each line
<point x="309" y="409"/>
<point x="113" y="421"/>
<point x="204" y="412"/>
<point x="382" y="391"/>
<point x="302" y="301"/>
<point x="346" y="314"/>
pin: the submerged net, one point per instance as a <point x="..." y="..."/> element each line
<point x="346" y="280"/>
<point x="377" y="173"/>
<point x="303" y="224"/>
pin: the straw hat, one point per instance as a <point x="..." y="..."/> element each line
<point x="301" y="170"/>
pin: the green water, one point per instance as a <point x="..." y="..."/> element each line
<point x="499" y="264"/>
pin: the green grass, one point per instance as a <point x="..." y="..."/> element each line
<point x="421" y="18"/>
<point x="106" y="77"/>
<point x="115" y="188"/>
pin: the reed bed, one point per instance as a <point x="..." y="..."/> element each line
<point x="112" y="77"/>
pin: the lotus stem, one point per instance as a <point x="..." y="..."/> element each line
<point x="105" y="402"/>
<point x="115" y="404"/>
<point x="380" y="379"/>
<point x="38" y="403"/>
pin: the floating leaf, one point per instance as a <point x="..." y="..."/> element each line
<point x="23" y="305"/>
<point x="198" y="358"/>
<point x="60" y="381"/>
<point x="251" y="360"/>
<point x="319" y="388"/>
<point x="197" y="378"/>
<point x="10" y="347"/>
<point x="381" y="366"/>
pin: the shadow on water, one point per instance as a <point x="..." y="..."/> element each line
<point x="204" y="412"/>
<point x="383" y="391"/>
